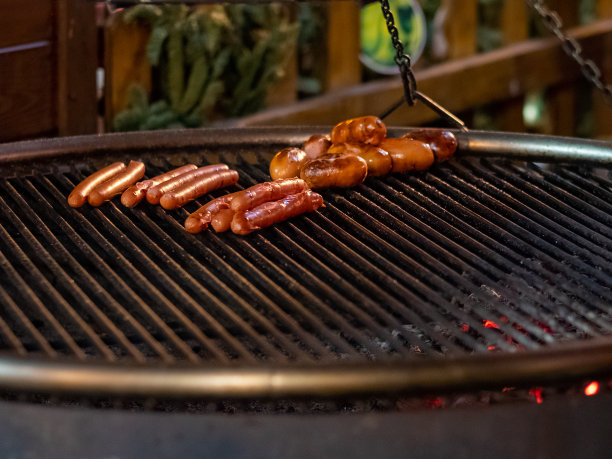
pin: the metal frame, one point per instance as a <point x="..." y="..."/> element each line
<point x="569" y="362"/>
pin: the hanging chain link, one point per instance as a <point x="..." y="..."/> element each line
<point x="572" y="48"/>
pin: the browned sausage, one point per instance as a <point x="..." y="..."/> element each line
<point x="316" y="145"/>
<point x="379" y="161"/>
<point x="222" y="220"/>
<point x="287" y="163"/>
<point x="267" y="191"/>
<point x="272" y="212"/>
<point x="136" y="193"/>
<point x="116" y="184"/>
<point x="198" y="186"/>
<point x="367" y="129"/>
<point x="334" y="171"/>
<point x="201" y="218"/>
<point x="408" y="154"/>
<point x="155" y="193"/>
<point x="442" y="142"/>
<point x="79" y="195"/>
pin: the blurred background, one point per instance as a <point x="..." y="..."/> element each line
<point x="70" y="67"/>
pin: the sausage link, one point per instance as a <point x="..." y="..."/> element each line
<point x="287" y="163"/>
<point x="408" y="154"/>
<point x="443" y="143"/>
<point x="367" y="129"/>
<point x="116" y="184"/>
<point x="136" y="193"/>
<point x="155" y="193"/>
<point x="332" y="170"/>
<point x="268" y="213"/>
<point x="267" y="191"/>
<point x="316" y="145"/>
<point x="79" y="195"/>
<point x="201" y="218"/>
<point x="195" y="188"/>
<point x="379" y="161"/>
<point x="222" y="220"/>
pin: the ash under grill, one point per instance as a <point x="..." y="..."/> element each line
<point x="479" y="262"/>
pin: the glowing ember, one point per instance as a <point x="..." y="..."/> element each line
<point x="537" y="393"/>
<point x="465" y="327"/>
<point x="591" y="388"/>
<point x="491" y="348"/>
<point x="490" y="324"/>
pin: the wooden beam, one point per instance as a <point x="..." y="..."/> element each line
<point x="455" y="26"/>
<point x="342" y="67"/>
<point x="459" y="85"/>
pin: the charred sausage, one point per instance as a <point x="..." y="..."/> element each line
<point x="136" y="193"/>
<point x="367" y="129"/>
<point x="268" y="213"/>
<point x="155" y="193"/>
<point x="79" y="195"/>
<point x="408" y="154"/>
<point x="287" y="163"/>
<point x="198" y="186"/>
<point x="379" y="161"/>
<point x="201" y="218"/>
<point x="443" y="143"/>
<point x="332" y="170"/>
<point x="222" y="220"/>
<point x="267" y="191"/>
<point x="316" y="145"/>
<point x="116" y="184"/>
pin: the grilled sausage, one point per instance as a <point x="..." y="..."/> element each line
<point x="116" y="184"/>
<point x="332" y="170"/>
<point x="222" y="220"/>
<point x="155" y="193"/>
<point x="79" y="195"/>
<point x="267" y="191"/>
<point x="268" y="213"/>
<point x="201" y="218"/>
<point x="287" y="163"/>
<point x="379" y="161"/>
<point x="442" y="142"/>
<point x="316" y="145"/>
<point x="408" y="154"/>
<point x="198" y="186"/>
<point x="136" y="193"/>
<point x="367" y="129"/>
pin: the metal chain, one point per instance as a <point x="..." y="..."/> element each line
<point x="572" y="48"/>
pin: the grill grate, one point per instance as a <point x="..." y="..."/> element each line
<point x="475" y="256"/>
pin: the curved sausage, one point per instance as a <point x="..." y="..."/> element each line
<point x="136" y="193"/>
<point x="332" y="170"/>
<point x="379" y="161"/>
<point x="201" y="218"/>
<point x="408" y="154"/>
<point x="287" y="163"/>
<point x="155" y="193"/>
<point x="443" y="143"/>
<point x="198" y="186"/>
<point x="267" y="191"/>
<point x="367" y="129"/>
<point x="79" y="195"/>
<point x="222" y="220"/>
<point x="316" y="145"/>
<point x="268" y="213"/>
<point x="116" y="184"/>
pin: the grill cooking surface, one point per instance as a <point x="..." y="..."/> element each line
<point x="475" y="256"/>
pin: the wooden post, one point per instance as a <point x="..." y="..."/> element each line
<point x="455" y="29"/>
<point x="343" y="67"/>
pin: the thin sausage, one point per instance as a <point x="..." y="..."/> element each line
<point x="287" y="163"/>
<point x="316" y="145"/>
<point x="116" y="184"/>
<point x="222" y="220"/>
<point x="442" y="142"/>
<point x="268" y="213"/>
<point x="79" y="195"/>
<point x="367" y="129"/>
<point x="201" y="218"/>
<point x="195" y="188"/>
<point x="267" y="191"/>
<point x="155" y="193"/>
<point x="136" y="193"/>
<point x="379" y="161"/>
<point x="332" y="170"/>
<point x="408" y="154"/>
